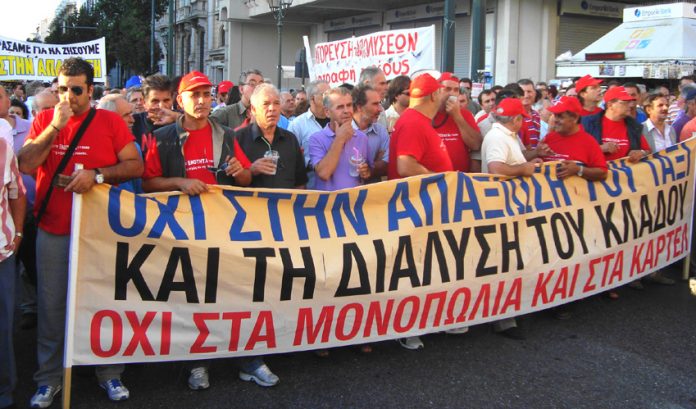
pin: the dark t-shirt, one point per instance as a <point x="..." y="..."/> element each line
<point x="291" y="171"/>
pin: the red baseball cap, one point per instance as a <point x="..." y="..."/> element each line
<point x="225" y="86"/>
<point x="447" y="76"/>
<point x="192" y="80"/>
<point x="618" y="93"/>
<point x="566" y="104"/>
<point x="586" y="81"/>
<point x="511" y="107"/>
<point x="423" y="85"/>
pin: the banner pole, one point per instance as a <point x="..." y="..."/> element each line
<point x="685" y="267"/>
<point x="71" y="296"/>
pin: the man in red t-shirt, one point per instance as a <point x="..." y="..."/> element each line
<point x="415" y="148"/>
<point x="578" y="152"/>
<point x="211" y="154"/>
<point x="589" y="94"/>
<point x="618" y="133"/>
<point x="456" y="126"/>
<point x="108" y="154"/>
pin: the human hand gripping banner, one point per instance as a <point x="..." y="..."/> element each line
<point x="396" y="52"/>
<point x="24" y="60"/>
<point x="251" y="272"/>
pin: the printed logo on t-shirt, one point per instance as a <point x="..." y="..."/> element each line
<point x="621" y="143"/>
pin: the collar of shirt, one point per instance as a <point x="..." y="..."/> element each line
<point x="369" y="130"/>
<point x="258" y="135"/>
<point x="651" y="126"/>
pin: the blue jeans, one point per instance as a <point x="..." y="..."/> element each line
<point x="8" y="372"/>
<point x="52" y="254"/>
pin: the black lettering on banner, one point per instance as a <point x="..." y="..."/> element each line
<point x="629" y="220"/>
<point x="537" y="222"/>
<point x="260" y="255"/>
<point x="352" y="251"/>
<point x="480" y="233"/>
<point x="405" y="248"/>
<point x="434" y="244"/>
<point x="290" y="273"/>
<point x="660" y="215"/>
<point x="608" y="227"/>
<point x="126" y="272"/>
<point x="578" y="228"/>
<point x="211" y="277"/>
<point x="509" y="245"/>
<point x="381" y="256"/>
<point x="556" y="220"/>
<point x="458" y="249"/>
<point x="179" y="257"/>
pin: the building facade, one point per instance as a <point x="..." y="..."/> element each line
<point x="522" y="38"/>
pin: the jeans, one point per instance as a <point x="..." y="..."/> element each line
<point x="52" y="253"/>
<point x="8" y="372"/>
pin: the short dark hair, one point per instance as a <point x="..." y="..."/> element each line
<point x="515" y="88"/>
<point x="75" y="66"/>
<point x="484" y="93"/>
<point x="525" y="81"/>
<point x="467" y="80"/>
<point x="156" y="82"/>
<point x="504" y="94"/>
<point x="243" y="76"/>
<point x="396" y="86"/>
<point x="651" y="98"/>
<point x="631" y="85"/>
<point x="22" y="106"/>
<point x="360" y="95"/>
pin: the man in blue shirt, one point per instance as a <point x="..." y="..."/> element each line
<point x="367" y="109"/>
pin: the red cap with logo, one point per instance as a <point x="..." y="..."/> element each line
<point x="423" y="85"/>
<point x="193" y="80"/>
<point x="566" y="104"/>
<point x="586" y="81"/>
<point x="224" y="86"/>
<point x="618" y="93"/>
<point x="511" y="107"/>
<point x="447" y="76"/>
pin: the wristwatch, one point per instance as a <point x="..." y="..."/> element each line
<point x="582" y="167"/>
<point x="98" y="176"/>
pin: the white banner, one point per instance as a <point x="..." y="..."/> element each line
<point x="23" y="60"/>
<point x="396" y="52"/>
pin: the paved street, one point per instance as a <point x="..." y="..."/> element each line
<point x="636" y="352"/>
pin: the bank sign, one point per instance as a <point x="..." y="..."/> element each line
<point x="661" y="11"/>
<point x="592" y="8"/>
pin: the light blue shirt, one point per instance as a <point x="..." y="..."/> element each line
<point x="303" y="127"/>
<point x="378" y="139"/>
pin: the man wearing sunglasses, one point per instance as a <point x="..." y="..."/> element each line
<point x="108" y="154"/>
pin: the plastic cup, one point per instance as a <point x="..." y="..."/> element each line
<point x="273" y="155"/>
<point x="355" y="162"/>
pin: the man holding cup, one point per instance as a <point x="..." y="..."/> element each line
<point x="276" y="156"/>
<point x="339" y="152"/>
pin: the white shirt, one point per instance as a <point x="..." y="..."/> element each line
<point x="501" y="145"/>
<point x="661" y="141"/>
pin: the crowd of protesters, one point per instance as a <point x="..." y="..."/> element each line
<point x="185" y="134"/>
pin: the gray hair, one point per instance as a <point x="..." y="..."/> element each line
<point x="313" y="88"/>
<point x="502" y="119"/>
<point x="108" y="102"/>
<point x="263" y="89"/>
<point x="34" y="88"/>
<point x="243" y="76"/>
<point x="133" y="90"/>
<point x="368" y="75"/>
<point x="341" y="91"/>
<point x="35" y="100"/>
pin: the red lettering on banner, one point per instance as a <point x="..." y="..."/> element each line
<point x="199" y="318"/>
<point x="400" y="314"/>
<point x="235" y="319"/>
<point x="561" y="286"/>
<point x="341" y="335"/>
<point x="483" y="296"/>
<point x="636" y="266"/>
<point x="575" y="279"/>
<point x="514" y="296"/>
<point x="452" y="303"/>
<point x="166" y="337"/>
<point x="116" y="333"/>
<point x="589" y="285"/>
<point x="498" y="296"/>
<point x="540" y="289"/>
<point x="440" y="296"/>
<point x="305" y="319"/>
<point x="617" y="272"/>
<point x="139" y="333"/>
<point x="374" y="315"/>
<point x="264" y="321"/>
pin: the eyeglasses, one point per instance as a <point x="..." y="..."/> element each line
<point x="77" y="90"/>
<point x="252" y="84"/>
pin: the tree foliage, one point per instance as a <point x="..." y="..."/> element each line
<point x="124" y="23"/>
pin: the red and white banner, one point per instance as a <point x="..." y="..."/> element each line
<point x="396" y="52"/>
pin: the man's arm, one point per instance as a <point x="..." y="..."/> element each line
<point x="129" y="166"/>
<point x="523" y="169"/>
<point x="471" y="137"/>
<point x="407" y="165"/>
<point x="163" y="184"/>
<point x="572" y="168"/>
<point x="18" y="209"/>
<point x="35" y="151"/>
<point x="327" y="165"/>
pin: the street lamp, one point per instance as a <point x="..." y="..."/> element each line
<point x="278" y="8"/>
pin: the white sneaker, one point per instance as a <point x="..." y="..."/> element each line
<point x="262" y="376"/>
<point x="457" y="331"/>
<point x="411" y="343"/>
<point x="198" y="380"/>
<point x="43" y="397"/>
<point x="115" y="390"/>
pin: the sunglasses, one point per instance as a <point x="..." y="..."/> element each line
<point x="75" y="90"/>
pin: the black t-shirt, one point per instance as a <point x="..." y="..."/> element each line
<point x="291" y="170"/>
<point x="323" y="121"/>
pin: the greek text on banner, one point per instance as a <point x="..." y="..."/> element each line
<point x="250" y="272"/>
